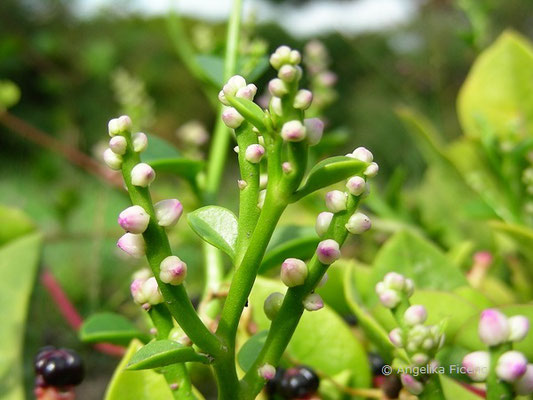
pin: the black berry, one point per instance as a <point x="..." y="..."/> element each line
<point x="350" y="319"/>
<point x="392" y="386"/>
<point x="273" y="386"/>
<point x="299" y="382"/>
<point x="376" y="363"/>
<point x="59" y="367"/>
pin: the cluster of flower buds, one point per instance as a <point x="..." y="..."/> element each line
<point x="118" y="128"/>
<point x="392" y="288"/>
<point x="512" y="366"/>
<point x="363" y="154"/>
<point x="144" y="289"/>
<point x="235" y="87"/>
<point x="316" y="60"/>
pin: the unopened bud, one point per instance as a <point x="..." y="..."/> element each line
<point x="133" y="244"/>
<point x="295" y="57"/>
<point x="336" y="201"/>
<point x="328" y="251"/>
<point x="518" y="328"/>
<point x="136" y="290"/>
<point x="273" y="304"/>
<point x="234" y="83"/>
<point x="524" y="385"/>
<point x="248" y="92"/>
<point x="293" y="131"/>
<point x="140" y="142"/>
<point x="358" y="223"/>
<point x="134" y="219"/>
<point x="314" y="128"/>
<point x="477" y="365"/>
<point x="389" y="298"/>
<point x="261" y="198"/>
<point x="267" y="372"/>
<point x="112" y="160"/>
<point x="303" y="99"/>
<point x="142" y="175"/>
<point x="363" y="154"/>
<point x="242" y="184"/>
<point x="511" y="366"/>
<point x="420" y="359"/>
<point x="118" y="145"/>
<point x="287" y="73"/>
<point x="254" y="153"/>
<point x="277" y="88"/>
<point x="372" y="170"/>
<point x="313" y="302"/>
<point x="293" y="272"/>
<point x="411" y="384"/>
<point x="394" y="280"/>
<point x="173" y="270"/>
<point x="275" y="105"/>
<point x="113" y="127"/>
<point x="395" y="337"/>
<point x="222" y="98"/>
<point x="323" y="220"/>
<point x="415" y="315"/>
<point x="286" y="167"/>
<point x="232" y="118"/>
<point x="168" y="212"/>
<point x="356" y="185"/>
<point x="151" y="293"/>
<point x="281" y="56"/>
<point x="119" y="125"/>
<point x="493" y="327"/>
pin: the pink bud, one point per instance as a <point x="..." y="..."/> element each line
<point x="140" y="142"/>
<point x="415" y="315"/>
<point x="272" y="305"/>
<point x="394" y="280"/>
<point x="134" y="219"/>
<point x="287" y="73"/>
<point x="395" y="336"/>
<point x="222" y="98"/>
<point x="293" y="272"/>
<point x="277" y="88"/>
<point x="356" y="185"/>
<point x="336" y="201"/>
<point x="363" y="154"/>
<point x="372" y="170"/>
<point x="518" y="328"/>
<point x="136" y="292"/>
<point x="150" y="291"/>
<point x="118" y="145"/>
<point x="313" y="302"/>
<point x="124" y="123"/>
<point x="232" y="118"/>
<point x="293" y="131"/>
<point x="286" y="167"/>
<point x="524" y="385"/>
<point x="411" y="384"/>
<point x="234" y="83"/>
<point x="483" y="257"/>
<point x="173" y="270"/>
<point x="420" y="359"/>
<point x="142" y="175"/>
<point x="168" y="212"/>
<point x="112" y="160"/>
<point x="328" y="251"/>
<point x="303" y="99"/>
<point x="241" y="184"/>
<point x="493" y="327"/>
<point x="267" y="372"/>
<point x="477" y="365"/>
<point x="248" y="92"/>
<point x="254" y="153"/>
<point x="314" y="127"/>
<point x="511" y="366"/>
<point x="132" y="244"/>
<point x="358" y="223"/>
<point x="389" y="298"/>
<point x="323" y="221"/>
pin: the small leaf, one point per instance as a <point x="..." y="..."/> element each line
<point x="249" y="110"/>
<point x="327" y="172"/>
<point x="161" y="353"/>
<point x="251" y="349"/>
<point x="183" y="167"/>
<point x="217" y="226"/>
<point x="110" y="328"/>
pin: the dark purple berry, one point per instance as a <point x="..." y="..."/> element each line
<point x="59" y="367"/>
<point x="392" y="386"/>
<point x="41" y="357"/>
<point x="299" y="382"/>
<point x="376" y="363"/>
<point x="273" y="385"/>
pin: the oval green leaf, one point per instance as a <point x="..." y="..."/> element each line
<point x="217" y="226"/>
<point x="251" y="349"/>
<point x="160" y="353"/>
<point x="110" y="328"/>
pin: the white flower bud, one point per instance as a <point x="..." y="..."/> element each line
<point x="242" y="184"/>
<point x="254" y="153"/>
<point x="389" y="298"/>
<point x="232" y="118"/>
<point x="287" y="73"/>
<point x="293" y="131"/>
<point x="303" y="99"/>
<point x="173" y="270"/>
<point x="477" y="365"/>
<point x="140" y="142"/>
<point x="524" y="385"/>
<point x="236" y="149"/>
<point x="394" y="280"/>
<point x="314" y="128"/>
<point x="518" y="328"/>
<point x="358" y="223"/>
<point x="293" y="272"/>
<point x="168" y="212"/>
<point x="113" y="127"/>
<point x="295" y="57"/>
<point x="395" y="337"/>
<point x="136" y="290"/>
<point x="277" y="88"/>
<point x="134" y="219"/>
<point x="286" y="167"/>
<point x="267" y="372"/>
<point x="272" y="305"/>
<point x="336" y="201"/>
<point x="415" y="315"/>
<point x="234" y="83"/>
<point x="263" y="181"/>
<point x="409" y="287"/>
<point x="493" y="327"/>
<point x="356" y="185"/>
<point x="323" y="220"/>
<point x="280" y="56"/>
<point x="411" y="384"/>
<point x="372" y="170"/>
<point x="248" y="92"/>
<point x="328" y="251"/>
<point x="142" y="175"/>
<point x="112" y="160"/>
<point x="511" y="366"/>
<point x="151" y="293"/>
<point x="363" y="154"/>
<point x="124" y="123"/>
<point x="275" y="104"/>
<point x="420" y="359"/>
<point x="313" y="302"/>
<point x="118" y="145"/>
<point x="133" y="244"/>
<point x="222" y="98"/>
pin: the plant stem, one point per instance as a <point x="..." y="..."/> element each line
<point x="496" y="388"/>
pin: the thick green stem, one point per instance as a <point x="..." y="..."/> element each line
<point x="496" y="388"/>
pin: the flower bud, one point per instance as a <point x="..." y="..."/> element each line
<point x="518" y="328"/>
<point x="395" y="337"/>
<point x="493" y="327"/>
<point x="134" y="219"/>
<point x="242" y="184"/>
<point x="356" y="185"/>
<point x="151" y="293"/>
<point x="313" y="302"/>
<point x="277" y="88"/>
<point x="142" y="175"/>
<point x="112" y="160"/>
<point x="275" y="104"/>
<point x="254" y="153"/>
<point x="124" y="123"/>
<point x="168" y="212"/>
<point x="328" y="251"/>
<point x="363" y="154"/>
<point x="133" y="244"/>
<point x="273" y="304"/>
<point x="143" y="274"/>
<point x="267" y="372"/>
<point x="232" y="118"/>
<point x="293" y="272"/>
<point x="118" y="145"/>
<point x="140" y="142"/>
<point x="234" y="83"/>
<point x="295" y="57"/>
<point x="511" y="366"/>
<point x="136" y="290"/>
<point x="236" y="149"/>
<point x="336" y="201"/>
<point x="394" y="280"/>
<point x="113" y="127"/>
<point x="286" y="167"/>
<point x="287" y="73"/>
<point x="172" y="270"/>
<point x="281" y="56"/>
<point x="409" y="287"/>
<point x="248" y="92"/>
<point x="293" y="131"/>
<point x="261" y="198"/>
<point x="477" y="365"/>
<point x="524" y="385"/>
<point x="358" y="223"/>
<point x="389" y="298"/>
<point x="323" y="220"/>
<point x="222" y="98"/>
<point x="314" y="127"/>
<point x="411" y="384"/>
<point x="372" y="170"/>
<point x="263" y="181"/>
<point x="415" y="315"/>
<point x="303" y="99"/>
<point x="420" y="359"/>
<point x="177" y="334"/>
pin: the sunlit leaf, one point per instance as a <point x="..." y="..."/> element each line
<point x="111" y="328"/>
<point x="161" y="353"/>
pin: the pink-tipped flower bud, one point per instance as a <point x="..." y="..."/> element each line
<point x="518" y="328"/>
<point x="254" y="153"/>
<point x="303" y="99"/>
<point x="313" y="302"/>
<point x="323" y="220"/>
<point x="275" y="105"/>
<point x="272" y="305"/>
<point x="415" y="315"/>
<point x="267" y="372"/>
<point x="232" y="118"/>
<point x="493" y="327"/>
<point x="234" y="83"/>
<point x="295" y="57"/>
<point x="136" y="290"/>
<point x="248" y="92"/>
<point x="420" y="359"/>
<point x="118" y="145"/>
<point x="293" y="131"/>
<point x="277" y="88"/>
<point x="336" y="201"/>
<point x="151" y="293"/>
<point x="411" y="384"/>
<point x="134" y="219"/>
<point x="372" y="170"/>
<point x="261" y="198"/>
<point x="314" y="128"/>
<point x="396" y="337"/>
<point x="286" y="167"/>
<point x="287" y="73"/>
<point x="328" y="251"/>
<point x="389" y="298"/>
<point x="172" y="270"/>
<point x="356" y="185"/>
<point x="142" y="175"/>
<point x="358" y="223"/>
<point x="483" y="258"/>
<point x="168" y="212"/>
<point x="281" y="56"/>
<point x="511" y="366"/>
<point x="524" y="385"/>
<point x="133" y="244"/>
<point x="222" y="98"/>
<point x="112" y="160"/>
<point x="241" y="184"/>
<point x="327" y="78"/>
<point x="140" y="142"/>
<point x="293" y="272"/>
<point x="363" y="154"/>
<point x="124" y="123"/>
<point x="394" y="280"/>
<point x="477" y="365"/>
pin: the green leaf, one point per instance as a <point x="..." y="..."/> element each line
<point x="9" y="94"/>
<point x="474" y="296"/>
<point x="453" y="390"/>
<point x="322" y="339"/>
<point x="110" y="328"/>
<point x="14" y="224"/>
<point x="159" y="149"/>
<point x="217" y="226"/>
<point x="213" y="67"/>
<point x="161" y="353"/>
<point x="249" y="110"/>
<point x="498" y="91"/>
<point x="329" y="390"/>
<point x="327" y="172"/>
<point x="183" y="167"/>
<point x="18" y="266"/>
<point x="520" y="235"/>
<point x="251" y="349"/>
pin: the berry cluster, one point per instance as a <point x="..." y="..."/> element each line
<point x="294" y="383"/>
